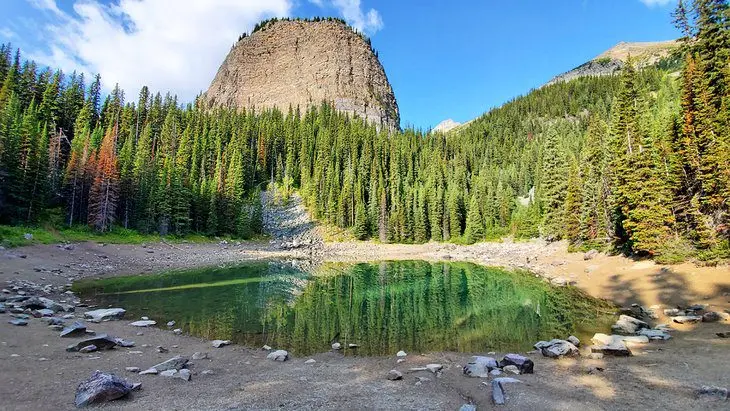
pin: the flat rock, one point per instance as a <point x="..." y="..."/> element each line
<point x="498" y="395"/>
<point x="184" y="374"/>
<point x="89" y="348"/>
<point x="102" y="342"/>
<point x="174" y="363"/>
<point x="18" y="322"/>
<point x="687" y="319"/>
<point x="124" y="343"/>
<point x="105" y="314"/>
<point x="655" y="334"/>
<point x="395" y="375"/>
<point x="480" y="366"/>
<point x="101" y="387"/>
<point x="77" y="329"/>
<point x="617" y="350"/>
<point x="168" y="373"/>
<point x="278" y="355"/>
<point x="434" y="368"/>
<point x="150" y="371"/>
<point x="220" y="343"/>
<point x="310" y="361"/>
<point x="143" y="323"/>
<point x="560" y="349"/>
<point x="603" y="339"/>
<point x="200" y="356"/>
<point x="468" y="407"/>
<point x="132" y="369"/>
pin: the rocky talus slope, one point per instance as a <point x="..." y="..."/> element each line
<point x="302" y="63"/>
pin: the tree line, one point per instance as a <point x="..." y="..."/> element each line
<point x="636" y="162"/>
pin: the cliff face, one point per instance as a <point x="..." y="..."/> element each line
<point x="302" y="63"/>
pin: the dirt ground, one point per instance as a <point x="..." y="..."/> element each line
<point x="36" y="373"/>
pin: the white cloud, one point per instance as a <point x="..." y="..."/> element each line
<point x="351" y="10"/>
<point x="168" y="45"/>
<point x="660" y="3"/>
<point x="7" y="34"/>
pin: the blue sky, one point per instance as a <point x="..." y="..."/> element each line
<point x="445" y="59"/>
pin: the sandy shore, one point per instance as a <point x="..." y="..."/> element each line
<point x="37" y="373"/>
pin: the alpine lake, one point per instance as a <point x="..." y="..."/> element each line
<point x="381" y="307"/>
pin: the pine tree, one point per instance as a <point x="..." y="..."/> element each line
<point x="474" y="223"/>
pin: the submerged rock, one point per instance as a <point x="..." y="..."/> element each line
<point x="105" y="314"/>
<point x="278" y="355"/>
<point x="101" y="387"/>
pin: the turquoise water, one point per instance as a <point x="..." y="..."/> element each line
<point x="383" y="307"/>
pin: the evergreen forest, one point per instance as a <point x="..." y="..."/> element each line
<point x="637" y="162"/>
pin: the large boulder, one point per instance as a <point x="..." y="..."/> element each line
<point x="101" y="387"/>
<point x="105" y="314"/>
<point x="557" y="348"/>
<point x="278" y="355"/>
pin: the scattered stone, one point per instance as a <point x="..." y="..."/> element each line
<point x="151" y="371"/>
<point x="498" y="388"/>
<point x="170" y="324"/>
<point x="628" y="325"/>
<point x="55" y="321"/>
<point x="124" y="343"/>
<point x="132" y="369"/>
<point x="401" y="354"/>
<point x="590" y="255"/>
<point x="523" y="364"/>
<point x="719" y="392"/>
<point x="18" y="322"/>
<point x="145" y="318"/>
<point x="208" y="372"/>
<point x="336" y="346"/>
<point x="143" y="323"/>
<point x="687" y="319"/>
<point x="184" y="374"/>
<point x="45" y="312"/>
<point x="310" y="361"/>
<point x="220" y="343"/>
<point x="574" y="340"/>
<point x="77" y="329"/>
<point x="511" y="368"/>
<point x="395" y="375"/>
<point x="174" y="363"/>
<point x="468" y="407"/>
<point x="351" y="346"/>
<point x="168" y="373"/>
<point x="177" y="331"/>
<point x="266" y="348"/>
<point x="102" y="342"/>
<point x="434" y="368"/>
<point x="710" y="317"/>
<point x="101" y="387"/>
<point x="480" y="366"/>
<point x="162" y="350"/>
<point x="278" y="355"/>
<point x="88" y="348"/>
<point x="400" y="360"/>
<point x="106" y="314"/>
<point x="655" y="334"/>
<point x="671" y="312"/>
<point x="200" y="356"/>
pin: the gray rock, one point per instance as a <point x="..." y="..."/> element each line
<point x="150" y="371"/>
<point x="434" y="368"/>
<point x="574" y="340"/>
<point x="132" y="369"/>
<point x="88" y="348"/>
<point x="38" y="303"/>
<point x="278" y="355"/>
<point x="560" y="349"/>
<point x="102" y="342"/>
<point x="468" y="407"/>
<point x="105" y="314"/>
<point x="177" y="331"/>
<point x="511" y="368"/>
<point x="523" y="364"/>
<point x="655" y="334"/>
<point x="395" y="375"/>
<point x="687" y="319"/>
<point x="124" y="343"/>
<point x="220" y="343"/>
<point x="401" y="354"/>
<point x="310" y="361"/>
<point x="170" y="324"/>
<point x="671" y="312"/>
<point x="55" y="321"/>
<point x="618" y="349"/>
<point x="45" y="312"/>
<point x="603" y="339"/>
<point x="184" y="374"/>
<point x="162" y="350"/>
<point x="336" y="346"/>
<point x="143" y="323"/>
<point x="480" y="366"/>
<point x="718" y="392"/>
<point x="77" y="329"/>
<point x="628" y="325"/>
<point x="169" y="373"/>
<point x="18" y="322"/>
<point x="495" y="372"/>
<point x="101" y="387"/>
<point x="200" y="356"/>
<point x="498" y="395"/>
<point x="174" y="363"/>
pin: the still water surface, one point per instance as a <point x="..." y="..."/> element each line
<point x="383" y="307"/>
